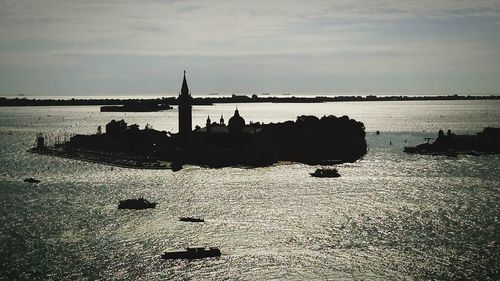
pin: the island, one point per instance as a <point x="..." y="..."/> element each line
<point x="308" y="139"/>
<point x="240" y="99"/>
<point x="450" y="144"/>
<point x="139" y="106"/>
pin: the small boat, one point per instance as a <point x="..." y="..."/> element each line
<point x="176" y="166"/>
<point x="191" y="219"/>
<point x="31" y="180"/>
<point x="136" y="204"/>
<point x="192" y="253"/>
<point x="325" y="173"/>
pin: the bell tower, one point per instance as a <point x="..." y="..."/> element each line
<point x="185" y="106"/>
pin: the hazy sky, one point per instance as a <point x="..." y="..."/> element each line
<point x="90" y="47"/>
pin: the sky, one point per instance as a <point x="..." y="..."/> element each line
<point x="141" y="47"/>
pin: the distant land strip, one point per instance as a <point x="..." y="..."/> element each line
<point x="233" y="99"/>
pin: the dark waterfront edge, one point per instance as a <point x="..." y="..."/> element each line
<point x="122" y="161"/>
<point x="234" y="99"/>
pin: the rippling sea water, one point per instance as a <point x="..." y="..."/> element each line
<point x="391" y="216"/>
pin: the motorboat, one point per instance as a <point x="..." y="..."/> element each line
<point x="325" y="173"/>
<point x="136" y="204"/>
<point x="193" y="253"/>
<point x="31" y="180"/>
<point x="191" y="219"/>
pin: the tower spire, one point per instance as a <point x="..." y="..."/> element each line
<point x="185" y="107"/>
<point x="184" y="88"/>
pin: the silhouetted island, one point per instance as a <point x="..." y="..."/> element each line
<point x="234" y="99"/>
<point x="308" y="139"/>
<point x="140" y="106"/>
<point x="450" y="144"/>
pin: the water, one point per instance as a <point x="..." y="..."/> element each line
<point x="390" y="216"/>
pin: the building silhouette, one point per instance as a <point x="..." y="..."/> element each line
<point x="185" y="108"/>
<point x="236" y="123"/>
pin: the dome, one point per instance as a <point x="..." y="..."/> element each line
<point x="236" y="123"/>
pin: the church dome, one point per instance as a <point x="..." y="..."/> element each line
<point x="236" y="123"/>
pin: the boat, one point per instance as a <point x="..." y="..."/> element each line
<point x="136" y="204"/>
<point x="191" y="219"/>
<point x="325" y="173"/>
<point x="192" y="253"/>
<point x="176" y="166"/>
<point x="31" y="180"/>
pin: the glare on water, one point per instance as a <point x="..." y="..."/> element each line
<point x="390" y="215"/>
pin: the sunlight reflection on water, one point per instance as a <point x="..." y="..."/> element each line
<point x="390" y="215"/>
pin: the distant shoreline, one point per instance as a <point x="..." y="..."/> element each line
<point x="19" y="101"/>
